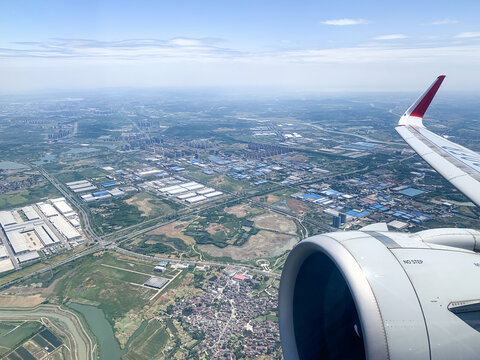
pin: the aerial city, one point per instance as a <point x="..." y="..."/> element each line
<point x="159" y="162"/>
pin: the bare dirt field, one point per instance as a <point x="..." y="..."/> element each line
<point x="241" y="210"/>
<point x="275" y="222"/>
<point x="7" y="301"/>
<point x="298" y="206"/>
<point x="270" y="199"/>
<point x="174" y="230"/>
<point x="265" y="244"/>
<point x="142" y="204"/>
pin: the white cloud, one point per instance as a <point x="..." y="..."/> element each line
<point x="205" y="51"/>
<point x="133" y="49"/>
<point x="343" y="22"/>
<point x="445" y="22"/>
<point x="467" y="35"/>
<point x="185" y="42"/>
<point x="391" y="37"/>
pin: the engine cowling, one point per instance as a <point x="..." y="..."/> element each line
<point x="382" y="295"/>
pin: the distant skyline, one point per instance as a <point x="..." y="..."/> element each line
<point x="302" y="45"/>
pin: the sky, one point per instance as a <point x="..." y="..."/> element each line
<point x="296" y="45"/>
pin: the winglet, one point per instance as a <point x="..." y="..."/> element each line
<point x="414" y="114"/>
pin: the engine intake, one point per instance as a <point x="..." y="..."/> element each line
<point x="381" y="295"/>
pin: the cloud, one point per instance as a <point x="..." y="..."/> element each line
<point x="207" y="50"/>
<point x="445" y="22"/>
<point x="123" y="49"/>
<point x="391" y="37"/>
<point x="186" y="42"/>
<point x="468" y="35"/>
<point x="344" y="22"/>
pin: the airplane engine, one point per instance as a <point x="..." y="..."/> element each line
<point x="382" y="295"/>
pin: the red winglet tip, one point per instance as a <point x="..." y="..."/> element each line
<point x="424" y="103"/>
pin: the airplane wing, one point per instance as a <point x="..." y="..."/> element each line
<point x="459" y="165"/>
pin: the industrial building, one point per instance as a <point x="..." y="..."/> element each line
<point x="30" y="213"/>
<point x="80" y="186"/>
<point x="191" y="192"/>
<point x="6" y="218"/>
<point x="195" y="199"/>
<point x="213" y="194"/>
<point x="205" y="191"/>
<point x="30" y="256"/>
<point x="46" y="235"/>
<point x="3" y="253"/>
<point x="63" y="207"/>
<point x="65" y="228"/>
<point x="155" y="282"/>
<point x="42" y="230"/>
<point x="47" y="209"/>
<point x="18" y="242"/>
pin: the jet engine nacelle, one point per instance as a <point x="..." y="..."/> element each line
<point x="382" y="295"/>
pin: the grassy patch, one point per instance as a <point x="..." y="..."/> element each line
<point x="110" y="289"/>
<point x="149" y="343"/>
<point x="28" y="196"/>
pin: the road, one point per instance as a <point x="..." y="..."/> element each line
<point x="66" y="193"/>
<point x="366" y="138"/>
<point x="79" y="255"/>
<point x="193" y="263"/>
<point x="103" y="243"/>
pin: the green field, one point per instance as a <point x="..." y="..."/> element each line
<point x="91" y="283"/>
<point x="149" y="343"/>
<point x="26" y="197"/>
<point x="13" y="333"/>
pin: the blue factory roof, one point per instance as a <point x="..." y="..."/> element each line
<point x="108" y="184"/>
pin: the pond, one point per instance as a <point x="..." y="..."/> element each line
<point x="10" y="165"/>
<point x="45" y="159"/>
<point x="98" y="324"/>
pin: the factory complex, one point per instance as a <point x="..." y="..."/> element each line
<point x="37" y="230"/>
<point x="190" y="192"/>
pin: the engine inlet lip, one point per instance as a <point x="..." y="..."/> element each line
<point x="376" y="347"/>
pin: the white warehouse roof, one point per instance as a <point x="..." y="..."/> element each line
<point x="64" y="227"/>
<point x="17" y="241"/>
<point x="186" y="195"/>
<point x="30" y="213"/>
<point x="73" y="183"/>
<point x="85" y="188"/>
<point x="63" y="207"/>
<point x="33" y="255"/>
<point x="6" y="218"/>
<point x="194" y="187"/>
<point x="212" y="194"/>
<point x="3" y="252"/>
<point x="44" y="237"/>
<point x="177" y="191"/>
<point x="205" y="191"/>
<point x="195" y="199"/>
<point x="48" y="210"/>
<point x="169" y="188"/>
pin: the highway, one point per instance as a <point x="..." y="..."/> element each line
<point x="103" y="243"/>
<point x="66" y="193"/>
